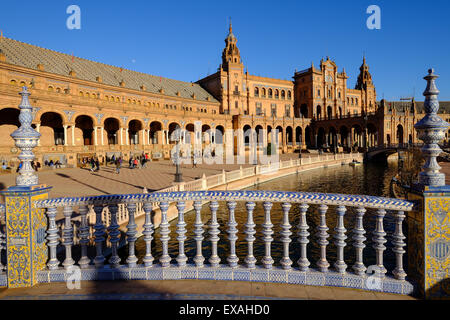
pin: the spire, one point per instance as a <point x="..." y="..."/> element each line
<point x="231" y="27"/>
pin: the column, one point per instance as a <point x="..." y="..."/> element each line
<point x="38" y="127"/>
<point x="95" y="136"/>
<point x="143" y="137"/>
<point x="121" y="136"/>
<point x="127" y="138"/>
<point x="73" y="134"/>
<point x="65" y="134"/>
<point x="101" y="135"/>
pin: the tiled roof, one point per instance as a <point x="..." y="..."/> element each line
<point x="444" y="106"/>
<point x="29" y="56"/>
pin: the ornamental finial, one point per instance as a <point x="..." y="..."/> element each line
<point x="26" y="138"/>
<point x="431" y="129"/>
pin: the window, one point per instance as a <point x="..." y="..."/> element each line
<point x="289" y="95"/>
<point x="256" y="92"/>
<point x="287" y="110"/>
<point x="329" y="93"/>
<point x="273" y="110"/>
<point x="270" y="93"/>
<point x="283" y="94"/>
<point x="277" y="95"/>
<point x="339" y="94"/>
<point x="259" y="109"/>
<point x="318" y="92"/>
<point x="263" y="92"/>
<point x="236" y="104"/>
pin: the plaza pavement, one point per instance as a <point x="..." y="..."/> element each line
<point x="189" y="290"/>
<point x="74" y="182"/>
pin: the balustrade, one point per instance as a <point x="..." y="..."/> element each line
<point x="336" y="205"/>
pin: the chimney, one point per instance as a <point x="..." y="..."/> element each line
<point x="40" y="67"/>
<point x="72" y="73"/>
<point x="99" y="79"/>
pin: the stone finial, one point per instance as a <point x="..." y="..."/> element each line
<point x="26" y="138"/>
<point x="431" y="129"/>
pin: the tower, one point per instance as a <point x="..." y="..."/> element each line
<point x="365" y="84"/>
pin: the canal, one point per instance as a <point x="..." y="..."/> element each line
<point x="369" y="179"/>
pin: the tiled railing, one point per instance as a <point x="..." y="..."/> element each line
<point x="255" y="266"/>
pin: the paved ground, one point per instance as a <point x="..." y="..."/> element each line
<point x="192" y="289"/>
<point x="158" y="175"/>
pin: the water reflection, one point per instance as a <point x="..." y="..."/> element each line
<point x="370" y="179"/>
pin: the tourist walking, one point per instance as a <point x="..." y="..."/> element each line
<point x="118" y="163"/>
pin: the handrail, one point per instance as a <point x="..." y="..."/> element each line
<point x="247" y="195"/>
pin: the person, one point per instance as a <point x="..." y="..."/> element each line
<point x="57" y="164"/>
<point x="135" y="163"/>
<point x="51" y="164"/>
<point x="92" y="164"/>
<point x="33" y="166"/>
<point x="38" y="165"/>
<point x="194" y="162"/>
<point x="19" y="166"/>
<point x="117" y="163"/>
<point x="46" y="163"/>
<point x="4" y="166"/>
<point x="97" y="165"/>
<point x="130" y="162"/>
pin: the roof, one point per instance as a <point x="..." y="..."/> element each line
<point x="29" y="56"/>
<point x="444" y="106"/>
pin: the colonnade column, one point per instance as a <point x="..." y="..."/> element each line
<point x="65" y="134"/>
<point x="121" y="136"/>
<point x="126" y="137"/>
<point x="101" y="135"/>
<point x="95" y="136"/>
<point x="38" y="126"/>
<point x="73" y="134"/>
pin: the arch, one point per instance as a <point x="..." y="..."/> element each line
<point x="259" y="134"/>
<point x="206" y="133"/>
<point x="9" y="122"/>
<point x="173" y="126"/>
<point x="332" y="137"/>
<point x="219" y="134"/>
<point x="372" y="138"/>
<point x="289" y="135"/>
<point x="247" y="132"/>
<point x="400" y="134"/>
<point x="134" y="127"/>
<point x="263" y="92"/>
<point x="279" y="136"/>
<point x="112" y="126"/>
<point x="343" y="132"/>
<point x="329" y="112"/>
<point x="283" y="94"/>
<point x="256" y="91"/>
<point x="85" y="126"/>
<point x="277" y="94"/>
<point x="308" y="137"/>
<point x="298" y="135"/>
<point x="320" y="137"/>
<point x="155" y="132"/>
<point x="52" y="131"/>
<point x="269" y="93"/>
<point x="289" y="94"/>
<point x="356" y="136"/>
<point x="318" y="112"/>
<point x="269" y="130"/>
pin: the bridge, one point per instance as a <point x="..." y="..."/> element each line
<point x="385" y="150"/>
<point x="40" y="251"/>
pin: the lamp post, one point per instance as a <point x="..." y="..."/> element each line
<point x="176" y="138"/>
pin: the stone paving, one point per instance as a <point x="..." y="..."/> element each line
<point x="191" y="289"/>
<point x="158" y="175"/>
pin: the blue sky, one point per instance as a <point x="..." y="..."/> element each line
<point x="184" y="39"/>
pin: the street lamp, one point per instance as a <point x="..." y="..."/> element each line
<point x="177" y="137"/>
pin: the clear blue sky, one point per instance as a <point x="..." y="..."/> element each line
<point x="184" y="39"/>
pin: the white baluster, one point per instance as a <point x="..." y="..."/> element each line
<point x="131" y="235"/>
<point x="148" y="232"/>
<point x="84" y="237"/>
<point x="359" y="238"/>
<point x="114" y="233"/>
<point x="198" y="230"/>
<point x="52" y="238"/>
<point x="232" y="230"/>
<point x="340" y="240"/>
<point x="398" y="243"/>
<point x="164" y="231"/>
<point x="214" y="260"/>
<point x="99" y="236"/>
<point x="181" y="231"/>
<point x="303" y="234"/>
<point x="322" y="241"/>
<point x="379" y="238"/>
<point x="250" y="260"/>
<point x="267" y="232"/>
<point x="286" y="262"/>
<point x="68" y="236"/>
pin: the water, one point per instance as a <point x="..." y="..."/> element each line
<point x="370" y="179"/>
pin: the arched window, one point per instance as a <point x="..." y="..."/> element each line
<point x="289" y="95"/>
<point x="256" y="92"/>
<point x="13" y="82"/>
<point x="81" y="93"/>
<point x="283" y="94"/>
<point x="277" y="94"/>
<point x="58" y="90"/>
<point x="263" y="92"/>
<point x="22" y="83"/>
<point x="270" y="93"/>
<point x="50" y="88"/>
